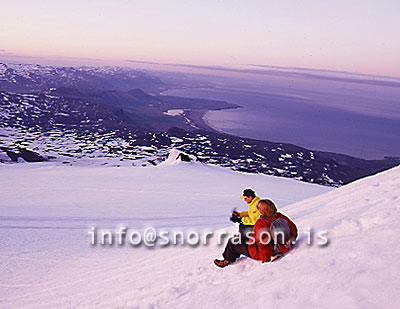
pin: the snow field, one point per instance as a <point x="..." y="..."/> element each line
<point x="47" y="260"/>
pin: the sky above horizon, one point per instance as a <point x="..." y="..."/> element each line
<point x="354" y="36"/>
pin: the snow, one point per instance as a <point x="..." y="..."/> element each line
<point x="174" y="112"/>
<point x="47" y="260"/>
<point x="174" y="158"/>
<point x="4" y="157"/>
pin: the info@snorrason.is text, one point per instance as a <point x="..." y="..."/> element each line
<point x="151" y="237"/>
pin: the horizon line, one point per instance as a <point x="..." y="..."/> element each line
<point x="233" y="68"/>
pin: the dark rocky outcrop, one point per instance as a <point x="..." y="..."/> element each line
<point x="27" y="155"/>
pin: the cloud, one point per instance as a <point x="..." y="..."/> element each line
<point x="82" y="58"/>
<point x="11" y="55"/>
<point x="145" y="62"/>
<point x="295" y="72"/>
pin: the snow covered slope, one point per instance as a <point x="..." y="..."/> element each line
<point x="47" y="260"/>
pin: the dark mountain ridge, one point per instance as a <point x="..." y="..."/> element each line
<point x="72" y="123"/>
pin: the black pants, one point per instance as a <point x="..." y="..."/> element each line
<point x="234" y="249"/>
<point x="244" y="229"/>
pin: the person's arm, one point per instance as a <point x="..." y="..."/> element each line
<point x="244" y="214"/>
<point x="252" y="217"/>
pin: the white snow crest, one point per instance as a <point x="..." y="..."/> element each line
<point x="174" y="158"/>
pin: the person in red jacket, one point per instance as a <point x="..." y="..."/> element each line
<point x="261" y="245"/>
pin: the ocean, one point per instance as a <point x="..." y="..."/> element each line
<point x="349" y="117"/>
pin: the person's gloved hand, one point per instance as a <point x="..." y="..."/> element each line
<point x="235" y="218"/>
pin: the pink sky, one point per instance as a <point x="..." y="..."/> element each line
<point x="354" y="36"/>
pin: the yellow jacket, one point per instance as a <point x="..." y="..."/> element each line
<point x="251" y="216"/>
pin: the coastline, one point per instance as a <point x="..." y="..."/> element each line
<point x="198" y="118"/>
<point x="208" y="123"/>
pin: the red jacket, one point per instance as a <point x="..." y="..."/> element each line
<point x="261" y="244"/>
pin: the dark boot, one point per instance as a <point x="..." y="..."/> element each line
<point x="221" y="263"/>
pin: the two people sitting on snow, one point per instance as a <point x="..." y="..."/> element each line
<point x="273" y="235"/>
<point x="247" y="219"/>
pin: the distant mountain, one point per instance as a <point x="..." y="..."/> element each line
<point x="87" y="119"/>
<point x="27" y="78"/>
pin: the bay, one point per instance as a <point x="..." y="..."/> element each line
<point x="352" y="118"/>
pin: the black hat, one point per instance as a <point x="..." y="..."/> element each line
<point x="248" y="193"/>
